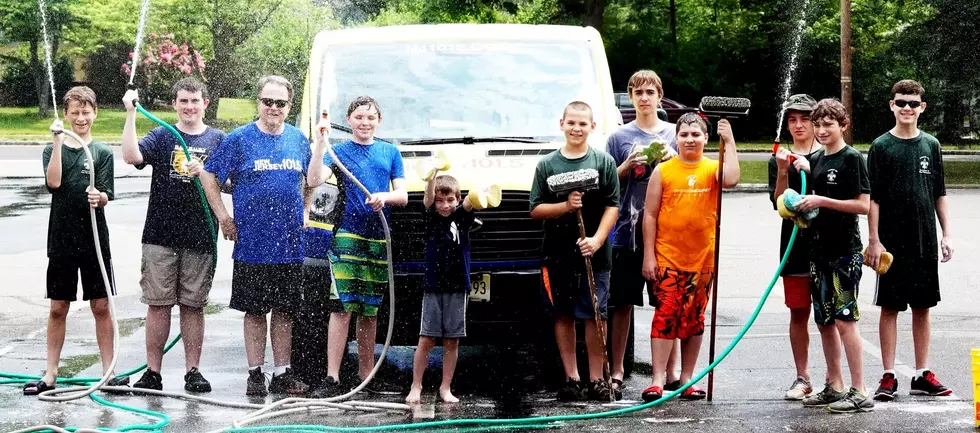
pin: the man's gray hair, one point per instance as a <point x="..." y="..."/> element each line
<point x="275" y="79"/>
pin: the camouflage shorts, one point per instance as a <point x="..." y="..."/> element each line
<point x="834" y="289"/>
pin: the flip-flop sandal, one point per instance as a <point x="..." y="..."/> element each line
<point x="37" y="387"/>
<point x="617" y="388"/>
<point x="693" y="393"/>
<point x="652" y="393"/>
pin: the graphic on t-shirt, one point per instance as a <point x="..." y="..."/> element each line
<point x="832" y="176"/>
<point x="178" y="162"/>
<point x="924" y="165"/>
<point x="324" y="200"/>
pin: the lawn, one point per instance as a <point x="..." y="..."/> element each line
<point x="957" y="172"/>
<point x="24" y="124"/>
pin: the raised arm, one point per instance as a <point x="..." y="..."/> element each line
<point x="52" y="172"/>
<point x="130" y="145"/>
<point x="430" y="191"/>
<point x="731" y="169"/>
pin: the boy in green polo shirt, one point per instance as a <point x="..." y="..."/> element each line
<point x="908" y="192"/>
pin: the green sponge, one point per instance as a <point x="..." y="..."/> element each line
<point x="654" y="151"/>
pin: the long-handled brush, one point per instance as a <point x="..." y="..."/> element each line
<point x="720" y="108"/>
<point x="584" y="180"/>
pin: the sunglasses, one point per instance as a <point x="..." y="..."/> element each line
<point x="902" y="103"/>
<point x="278" y="103"/>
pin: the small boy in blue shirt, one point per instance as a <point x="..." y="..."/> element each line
<point x="447" y="280"/>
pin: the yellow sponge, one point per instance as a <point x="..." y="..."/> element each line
<point x="484" y="197"/>
<point x="781" y="207"/>
<point x="884" y="262"/>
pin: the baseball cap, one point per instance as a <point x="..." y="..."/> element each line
<point x="800" y="102"/>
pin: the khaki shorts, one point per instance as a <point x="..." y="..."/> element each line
<point x="171" y="276"/>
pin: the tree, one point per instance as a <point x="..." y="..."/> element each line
<point x="22" y="22"/>
<point x="230" y="24"/>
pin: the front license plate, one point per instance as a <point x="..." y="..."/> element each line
<point x="480" y="289"/>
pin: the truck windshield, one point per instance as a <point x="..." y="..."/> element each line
<point x="460" y="88"/>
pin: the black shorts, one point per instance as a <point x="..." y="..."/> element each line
<point x="626" y="280"/>
<point x="258" y="288"/>
<point x="566" y="293"/>
<point x="317" y="287"/>
<point x="908" y="283"/>
<point x="62" y="278"/>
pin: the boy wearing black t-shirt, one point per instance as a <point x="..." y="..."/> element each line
<point x="447" y="280"/>
<point x="908" y="194"/>
<point x="841" y="188"/>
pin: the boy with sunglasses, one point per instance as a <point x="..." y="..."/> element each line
<point x="908" y="192"/>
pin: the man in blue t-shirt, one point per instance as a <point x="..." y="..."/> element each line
<point x="178" y="251"/>
<point x="266" y="161"/>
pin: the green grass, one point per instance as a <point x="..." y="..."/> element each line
<point x="24" y="123"/>
<point x="957" y="172"/>
<point x="73" y="365"/>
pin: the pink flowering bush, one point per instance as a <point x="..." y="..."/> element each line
<point x="161" y="64"/>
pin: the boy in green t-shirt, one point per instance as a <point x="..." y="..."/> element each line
<point x="71" y="247"/>
<point x="908" y="193"/>
<point x="564" y="277"/>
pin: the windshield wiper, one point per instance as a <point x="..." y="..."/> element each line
<point x="471" y="140"/>
<point x="347" y="129"/>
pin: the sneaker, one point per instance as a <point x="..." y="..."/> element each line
<point x="854" y="401"/>
<point x="329" y="387"/>
<point x="800" y="389"/>
<point x="150" y="380"/>
<point x="827" y="396"/>
<point x="887" y="388"/>
<point x="194" y="381"/>
<point x="287" y="383"/>
<point x="255" y="385"/>
<point x="927" y="384"/>
<point x="572" y="391"/>
<point x="599" y="391"/>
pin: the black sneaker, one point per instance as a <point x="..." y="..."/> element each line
<point x="150" y="380"/>
<point x="255" y="385"/>
<point x="927" y="384"/>
<point x="194" y="381"/>
<point x="287" y="383"/>
<point x="599" y="391"/>
<point x="572" y="391"/>
<point x="886" y="388"/>
<point x="328" y="388"/>
<point x="117" y="381"/>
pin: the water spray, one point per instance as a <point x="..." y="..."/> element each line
<point x="47" y="56"/>
<point x="144" y="8"/>
<point x="797" y="38"/>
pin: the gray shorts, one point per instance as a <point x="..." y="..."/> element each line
<point x="444" y="315"/>
<point x="175" y="276"/>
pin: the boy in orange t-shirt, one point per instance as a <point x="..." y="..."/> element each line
<point x="679" y="246"/>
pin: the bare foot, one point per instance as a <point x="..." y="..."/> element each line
<point x="448" y="396"/>
<point x="414" y="396"/>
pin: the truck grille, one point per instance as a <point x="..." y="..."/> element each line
<point x="507" y="232"/>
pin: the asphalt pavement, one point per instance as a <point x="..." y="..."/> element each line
<point x="748" y="384"/>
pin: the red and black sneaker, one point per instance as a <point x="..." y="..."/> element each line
<point x="927" y="384"/>
<point x="887" y="388"/>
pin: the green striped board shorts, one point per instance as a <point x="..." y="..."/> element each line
<point x="360" y="272"/>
